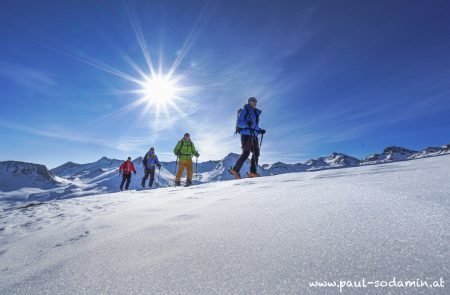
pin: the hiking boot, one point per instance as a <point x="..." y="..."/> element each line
<point x="251" y="175"/>
<point x="235" y="174"/>
<point x="177" y="183"/>
<point x="188" y="182"/>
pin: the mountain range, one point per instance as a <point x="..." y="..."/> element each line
<point x="21" y="181"/>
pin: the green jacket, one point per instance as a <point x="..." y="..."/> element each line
<point x="185" y="149"/>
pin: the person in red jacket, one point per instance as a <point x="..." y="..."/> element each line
<point x="126" y="169"/>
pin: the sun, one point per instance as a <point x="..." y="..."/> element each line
<point x="159" y="90"/>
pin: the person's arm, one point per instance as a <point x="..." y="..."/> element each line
<point x="157" y="161"/>
<point x="144" y="161"/>
<point x="132" y="168"/>
<point x="176" y="149"/>
<point x="121" y="167"/>
<point x="194" y="150"/>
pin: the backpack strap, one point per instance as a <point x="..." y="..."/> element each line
<point x="179" y="149"/>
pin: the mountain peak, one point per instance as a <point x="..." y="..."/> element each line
<point x="231" y="156"/>
<point x="397" y="149"/>
<point x="22" y="174"/>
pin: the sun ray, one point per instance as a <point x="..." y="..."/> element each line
<point x="189" y="40"/>
<point x="134" y="21"/>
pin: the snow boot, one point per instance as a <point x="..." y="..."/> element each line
<point x="188" y="182"/>
<point x="177" y="183"/>
<point x="251" y="175"/>
<point x="235" y="174"/>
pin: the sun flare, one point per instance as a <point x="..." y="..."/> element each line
<point x="159" y="90"/>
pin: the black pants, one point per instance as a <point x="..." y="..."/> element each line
<point x="127" y="178"/>
<point x="148" y="172"/>
<point x="249" y="144"/>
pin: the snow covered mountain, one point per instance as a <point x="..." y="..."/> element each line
<point x="335" y="160"/>
<point x="269" y="235"/>
<point x="394" y="153"/>
<point x="15" y="175"/>
<point x="24" y="181"/>
<point x="390" y="154"/>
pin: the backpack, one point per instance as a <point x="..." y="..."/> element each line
<point x="239" y="112"/>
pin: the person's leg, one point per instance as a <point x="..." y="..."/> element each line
<point x="152" y="177"/>
<point x="255" y="155"/>
<point x="123" y="181"/>
<point x="144" y="179"/>
<point x="190" y="171"/>
<point x="246" y="148"/>
<point x="181" y="166"/>
<point x="128" y="181"/>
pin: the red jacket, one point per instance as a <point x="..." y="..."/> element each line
<point x="127" y="167"/>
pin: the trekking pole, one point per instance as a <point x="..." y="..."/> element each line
<point x="260" y="143"/>
<point x="159" y="172"/>
<point x="175" y="173"/>
<point x="196" y="170"/>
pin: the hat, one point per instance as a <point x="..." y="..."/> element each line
<point x="252" y="99"/>
<point x="129" y="158"/>
<point x="152" y="148"/>
<point x="187" y="134"/>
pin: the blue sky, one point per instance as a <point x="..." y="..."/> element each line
<point x="345" y="76"/>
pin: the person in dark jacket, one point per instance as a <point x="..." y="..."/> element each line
<point x="150" y="162"/>
<point x="126" y="169"/>
<point x="248" y="128"/>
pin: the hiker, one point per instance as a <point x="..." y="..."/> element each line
<point x="248" y="127"/>
<point x="185" y="150"/>
<point x="126" y="169"/>
<point x="150" y="162"/>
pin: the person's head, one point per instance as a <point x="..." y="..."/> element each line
<point x="129" y="159"/>
<point x="187" y="136"/>
<point x="252" y="102"/>
<point x="152" y="150"/>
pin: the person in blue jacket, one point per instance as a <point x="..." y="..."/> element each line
<point x="248" y="127"/>
<point x="150" y="162"/>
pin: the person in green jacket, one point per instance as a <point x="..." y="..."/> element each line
<point x="185" y="150"/>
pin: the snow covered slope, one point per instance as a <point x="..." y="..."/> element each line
<point x="272" y="235"/>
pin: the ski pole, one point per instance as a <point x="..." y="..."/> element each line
<point x="135" y="176"/>
<point x="260" y="143"/>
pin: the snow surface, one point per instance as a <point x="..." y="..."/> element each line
<point x="252" y="236"/>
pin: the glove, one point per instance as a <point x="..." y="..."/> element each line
<point x="159" y="165"/>
<point x="262" y="131"/>
<point x="197" y="155"/>
<point x="134" y="173"/>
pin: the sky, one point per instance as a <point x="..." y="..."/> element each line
<point x="78" y="78"/>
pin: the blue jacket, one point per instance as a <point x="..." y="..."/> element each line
<point x="150" y="160"/>
<point x="248" y="121"/>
